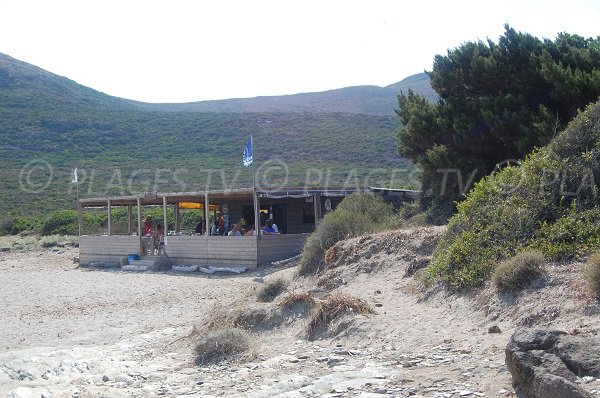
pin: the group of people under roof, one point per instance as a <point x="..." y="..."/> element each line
<point x="218" y="228"/>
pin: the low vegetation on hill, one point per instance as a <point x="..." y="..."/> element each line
<point x="130" y="152"/>
<point x="49" y="125"/>
<point x="549" y="202"/>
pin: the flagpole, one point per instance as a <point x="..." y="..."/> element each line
<point x="79" y="210"/>
<point x="254" y="198"/>
<point x="79" y="215"/>
<point x="77" y="185"/>
<point x="252" y="164"/>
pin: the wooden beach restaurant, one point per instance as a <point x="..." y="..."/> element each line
<point x="294" y="212"/>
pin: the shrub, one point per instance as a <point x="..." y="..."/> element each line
<point x="575" y="231"/>
<point x="23" y="223"/>
<point x="548" y="202"/>
<point x="15" y="225"/>
<point x="222" y="344"/>
<point x="438" y="211"/>
<point x="62" y="222"/>
<point x="6" y="226"/>
<point x="592" y="273"/>
<point x="518" y="272"/>
<point x="65" y="222"/>
<point x="357" y="214"/>
<point x="270" y="290"/>
<point x="413" y="214"/>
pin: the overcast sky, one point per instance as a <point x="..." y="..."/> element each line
<point x="180" y="50"/>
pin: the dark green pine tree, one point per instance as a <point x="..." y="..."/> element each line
<point x="498" y="101"/>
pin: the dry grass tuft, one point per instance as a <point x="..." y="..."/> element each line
<point x="518" y="272"/>
<point x="294" y="298"/>
<point x="334" y="306"/>
<point x="592" y="274"/>
<point x="270" y="290"/>
<point x="223" y="344"/>
<point x="219" y="319"/>
<point x="241" y="317"/>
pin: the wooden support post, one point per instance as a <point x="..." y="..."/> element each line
<point x="109" y="219"/>
<point x="257" y="226"/>
<point x="140" y="232"/>
<point x="129" y="220"/>
<point x="165" y="219"/>
<point x="206" y="220"/>
<point x="176" y="217"/>
<point x="316" y="203"/>
<point x="319" y="207"/>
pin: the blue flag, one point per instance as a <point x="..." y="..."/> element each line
<point x="247" y="159"/>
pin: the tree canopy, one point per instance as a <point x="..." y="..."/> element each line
<point x="498" y="101"/>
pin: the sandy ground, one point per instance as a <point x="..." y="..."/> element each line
<point x="50" y="305"/>
<point x="76" y="332"/>
<point x="49" y="301"/>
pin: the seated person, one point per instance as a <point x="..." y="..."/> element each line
<point x="268" y="229"/>
<point x="214" y="229"/>
<point x="200" y="227"/>
<point x="235" y="231"/>
<point x="159" y="239"/>
<point x="250" y="231"/>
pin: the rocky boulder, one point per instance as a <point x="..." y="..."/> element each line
<point x="547" y="363"/>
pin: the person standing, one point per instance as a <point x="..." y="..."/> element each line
<point x="147" y="226"/>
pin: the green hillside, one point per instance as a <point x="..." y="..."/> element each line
<point x="23" y="85"/>
<point x="50" y="124"/>
<point x="360" y="99"/>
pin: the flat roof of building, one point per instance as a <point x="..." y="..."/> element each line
<point x="157" y="198"/>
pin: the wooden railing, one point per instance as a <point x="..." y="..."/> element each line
<point x="247" y="251"/>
